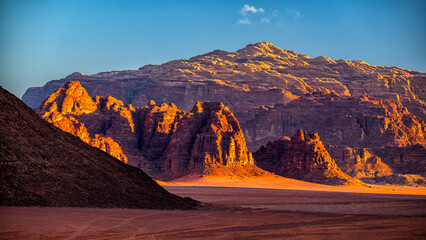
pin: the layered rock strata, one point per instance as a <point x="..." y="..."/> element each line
<point x="362" y="122"/>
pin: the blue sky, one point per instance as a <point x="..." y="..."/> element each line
<point x="44" y="40"/>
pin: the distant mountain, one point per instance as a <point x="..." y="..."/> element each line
<point x="259" y="74"/>
<point x="302" y="157"/>
<point x="166" y="142"/>
<point x="43" y="166"/>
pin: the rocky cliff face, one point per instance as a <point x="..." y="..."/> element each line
<point x="303" y="157"/>
<point x="43" y="166"/>
<point x="259" y="74"/>
<point x="363" y="122"/>
<point x="164" y="141"/>
<point x="209" y="135"/>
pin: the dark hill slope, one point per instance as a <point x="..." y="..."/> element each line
<point x="41" y="165"/>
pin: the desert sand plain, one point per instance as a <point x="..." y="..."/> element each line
<point x="247" y="210"/>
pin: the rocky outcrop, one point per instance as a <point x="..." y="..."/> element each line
<point x="65" y="105"/>
<point x="209" y="135"/>
<point x="162" y="140"/>
<point x="43" y="166"/>
<point x="359" y="163"/>
<point x="259" y="74"/>
<point x="303" y="157"/>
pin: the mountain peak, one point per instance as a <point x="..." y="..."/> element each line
<point x="75" y="75"/>
<point x="70" y="99"/>
<point x="264" y="45"/>
<point x="261" y="48"/>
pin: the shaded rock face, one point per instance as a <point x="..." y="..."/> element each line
<point x="164" y="141"/>
<point x="404" y="160"/>
<point x="156" y="124"/>
<point x="359" y="163"/>
<point x="362" y="122"/>
<point x="43" y="166"/>
<point x="209" y="135"/>
<point x="403" y="179"/>
<point x="259" y="74"/>
<point x="303" y="157"/>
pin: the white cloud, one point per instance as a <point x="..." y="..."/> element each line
<point x="265" y="20"/>
<point x="244" y="21"/>
<point x="247" y="8"/>
<point x="297" y="14"/>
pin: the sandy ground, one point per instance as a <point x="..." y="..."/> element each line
<point x="251" y="213"/>
<point x="278" y="182"/>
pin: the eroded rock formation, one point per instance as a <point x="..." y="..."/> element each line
<point x="209" y="135"/>
<point x="67" y="103"/>
<point x="359" y="163"/>
<point x="161" y="139"/>
<point x="302" y="157"/>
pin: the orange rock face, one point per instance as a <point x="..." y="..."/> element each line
<point x="164" y="141"/>
<point x="303" y="157"/>
<point x="73" y="100"/>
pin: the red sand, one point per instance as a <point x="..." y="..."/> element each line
<point x="284" y="214"/>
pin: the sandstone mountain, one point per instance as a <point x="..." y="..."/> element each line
<point x="166" y="142"/>
<point x="272" y="92"/>
<point x="43" y="166"/>
<point x="259" y="74"/>
<point x="302" y="157"/>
